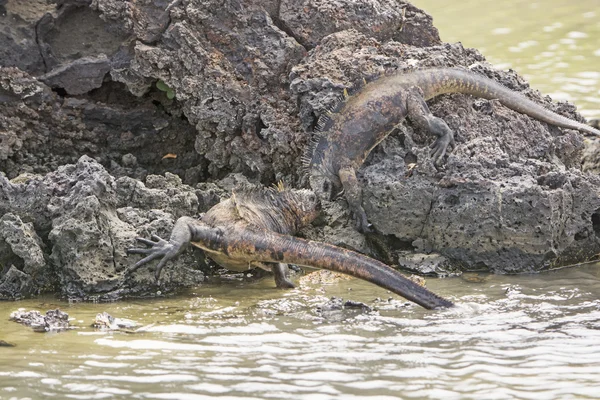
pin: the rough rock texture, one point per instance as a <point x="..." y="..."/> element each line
<point x="88" y="219"/>
<point x="41" y="131"/>
<point x="52" y="321"/>
<point x="21" y="254"/>
<point x="227" y="65"/>
<point x="309" y="21"/>
<point x="98" y="94"/>
<point x="511" y="196"/>
<point x="591" y="154"/>
<point x="18" y="34"/>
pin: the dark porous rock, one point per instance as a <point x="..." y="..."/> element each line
<point x="18" y="36"/>
<point x="42" y="131"/>
<point x="79" y="76"/>
<point x="196" y="88"/>
<point x="511" y="196"/>
<point x="52" y="321"/>
<point x="105" y="321"/>
<point x="310" y="22"/>
<point x="76" y="31"/>
<point x="16" y="284"/>
<point x="591" y="157"/>
<point x="87" y="221"/>
<point x="336" y="309"/>
<point x="21" y="254"/>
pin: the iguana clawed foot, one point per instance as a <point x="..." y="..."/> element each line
<point x="158" y="248"/>
<point x="361" y="221"/>
<point x="443" y="143"/>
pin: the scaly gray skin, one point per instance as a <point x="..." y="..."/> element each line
<point x="254" y="228"/>
<point x="364" y="119"/>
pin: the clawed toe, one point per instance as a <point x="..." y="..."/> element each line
<point x="147" y="242"/>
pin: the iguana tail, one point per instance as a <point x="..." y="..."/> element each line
<point x="268" y="246"/>
<point x="434" y="82"/>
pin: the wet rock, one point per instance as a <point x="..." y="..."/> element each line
<point x="105" y="321"/>
<point x="6" y="344"/>
<point x="52" y="321"/>
<point x="337" y="309"/>
<point x="432" y="264"/>
<point x="16" y="284"/>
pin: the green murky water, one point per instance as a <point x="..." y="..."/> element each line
<point x="526" y="337"/>
<point x="554" y="44"/>
<point x="523" y="337"/>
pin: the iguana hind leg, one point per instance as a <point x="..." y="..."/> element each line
<point x="282" y="276"/>
<point x="353" y="194"/>
<point x="281" y="273"/>
<point x="420" y="116"/>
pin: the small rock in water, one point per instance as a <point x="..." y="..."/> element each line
<point x="6" y="344"/>
<point x="53" y="321"/>
<point x="338" y="304"/>
<point x="106" y="321"/>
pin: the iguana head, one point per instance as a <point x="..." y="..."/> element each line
<point x="323" y="181"/>
<point x="303" y="203"/>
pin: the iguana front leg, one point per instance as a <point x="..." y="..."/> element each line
<point x="186" y="230"/>
<point x="353" y="194"/>
<point x="420" y="115"/>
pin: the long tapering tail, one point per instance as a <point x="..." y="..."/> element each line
<point x="268" y="246"/>
<point x="454" y="80"/>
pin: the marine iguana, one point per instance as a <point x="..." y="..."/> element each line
<point x="254" y="228"/>
<point x="347" y="134"/>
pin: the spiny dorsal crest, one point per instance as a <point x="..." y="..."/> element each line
<point x="325" y="121"/>
<point x="274" y="208"/>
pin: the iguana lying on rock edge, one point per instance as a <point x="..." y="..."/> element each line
<point x="360" y="122"/>
<point x="254" y="228"/>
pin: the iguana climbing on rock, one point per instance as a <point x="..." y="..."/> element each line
<point x="254" y="228"/>
<point x="360" y="122"/>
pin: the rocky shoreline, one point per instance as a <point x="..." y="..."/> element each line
<point x="117" y="118"/>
